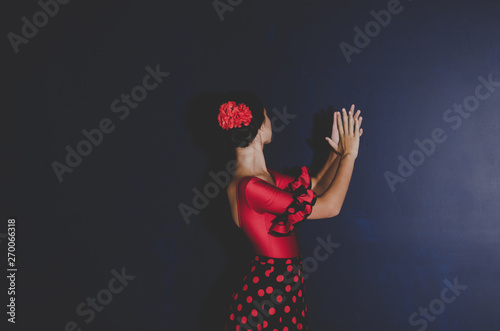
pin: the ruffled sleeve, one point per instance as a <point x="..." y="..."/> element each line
<point x="303" y="199"/>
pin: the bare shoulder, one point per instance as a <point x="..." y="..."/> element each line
<point x="233" y="183"/>
<point x="233" y="186"/>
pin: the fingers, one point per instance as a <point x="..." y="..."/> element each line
<point x="345" y="121"/>
<point x="329" y="141"/>
<point x="334" y="121"/>
<point x="358" y="130"/>
<point x="340" y="125"/>
<point x="357" y="114"/>
<point x="351" y="121"/>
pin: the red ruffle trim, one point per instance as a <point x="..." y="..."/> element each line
<point x="301" y="207"/>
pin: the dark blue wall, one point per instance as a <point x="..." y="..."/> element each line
<point x="416" y="219"/>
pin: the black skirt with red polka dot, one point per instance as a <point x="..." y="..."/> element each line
<point x="271" y="297"/>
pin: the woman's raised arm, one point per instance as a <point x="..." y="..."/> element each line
<point x="326" y="175"/>
<point x="330" y="202"/>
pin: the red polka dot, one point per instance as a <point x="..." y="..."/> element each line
<point x="279" y="298"/>
<point x="300" y="293"/>
<point x="259" y="327"/>
<point x="285" y="328"/>
<point x="256" y="279"/>
<point x="249" y="299"/>
<point x="245" y="287"/>
<point x="256" y="258"/>
<point x="253" y="269"/>
<point x="271" y="261"/>
<point x="260" y="292"/>
<point x="254" y="312"/>
<point x="296" y="278"/>
<point x="235" y="296"/>
<point x="269" y="290"/>
<point x="239" y="307"/>
<point x="288" y="288"/>
<point x="294" y="299"/>
<point x="280" y="278"/>
<point x="299" y="272"/>
<point x="237" y="328"/>
<point x="299" y="326"/>
<point x="264" y="324"/>
<point x="231" y="317"/>
<point x="287" y="309"/>
<point x="272" y="311"/>
<point x="288" y="261"/>
<point x="289" y="268"/>
<point x="306" y="307"/>
<point x="303" y="314"/>
<point x="294" y="320"/>
<point x="281" y="319"/>
<point x="244" y="278"/>
<point x="243" y="319"/>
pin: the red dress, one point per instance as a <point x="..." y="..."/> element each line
<point x="271" y="295"/>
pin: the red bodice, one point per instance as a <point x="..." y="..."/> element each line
<point x="267" y="213"/>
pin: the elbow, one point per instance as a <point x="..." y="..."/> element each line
<point x="334" y="211"/>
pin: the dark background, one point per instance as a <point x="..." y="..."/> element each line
<point x="119" y="208"/>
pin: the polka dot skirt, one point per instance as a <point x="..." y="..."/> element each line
<point x="271" y="297"/>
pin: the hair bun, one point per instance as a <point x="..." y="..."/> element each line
<point x="240" y="116"/>
<point x="233" y="115"/>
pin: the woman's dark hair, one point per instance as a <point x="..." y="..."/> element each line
<point x="242" y="137"/>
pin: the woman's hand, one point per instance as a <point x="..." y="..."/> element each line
<point x="334" y="141"/>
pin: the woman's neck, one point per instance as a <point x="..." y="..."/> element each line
<point x="250" y="160"/>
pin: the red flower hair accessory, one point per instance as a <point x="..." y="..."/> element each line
<point x="232" y="115"/>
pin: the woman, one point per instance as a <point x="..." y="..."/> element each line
<point x="266" y="205"/>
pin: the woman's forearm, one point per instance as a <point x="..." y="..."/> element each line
<point x="336" y="192"/>
<point x="327" y="173"/>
